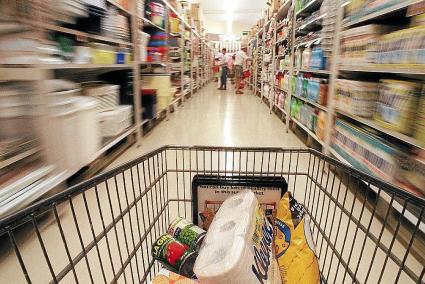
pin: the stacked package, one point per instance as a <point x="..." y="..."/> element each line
<point x="357" y="97"/>
<point x="365" y="151"/>
<point x="359" y="45"/>
<point x="157" y="47"/>
<point x="397" y="104"/>
<point x="402" y="47"/>
<point x="246" y="255"/>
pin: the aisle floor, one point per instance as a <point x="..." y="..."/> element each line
<point x="218" y="118"/>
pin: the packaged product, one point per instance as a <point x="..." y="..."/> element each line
<point x="420" y="120"/>
<point x="294" y="243"/>
<point x="356" y="97"/>
<point x="165" y="276"/>
<point x="321" y="125"/>
<point x="365" y="151"/>
<point x="175" y="255"/>
<point x="411" y="172"/>
<point x="238" y="247"/>
<point x="397" y="104"/>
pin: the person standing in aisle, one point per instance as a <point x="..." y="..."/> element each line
<point x="224" y="70"/>
<point x="240" y="59"/>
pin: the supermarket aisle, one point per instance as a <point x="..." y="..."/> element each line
<point x="217" y="118"/>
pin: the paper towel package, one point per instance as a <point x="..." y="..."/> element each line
<point x="238" y="247"/>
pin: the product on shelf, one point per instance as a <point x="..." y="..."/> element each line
<point x="397" y="105"/>
<point x="365" y="151"/>
<point x="419" y="133"/>
<point x="359" y="8"/>
<point x="114" y="122"/>
<point x="108" y="96"/>
<point x="295" y="249"/>
<point x="231" y="249"/>
<point x="402" y="47"/>
<point x="144" y="40"/>
<point x="321" y="126"/>
<point x="410" y="174"/>
<point x="174" y="255"/>
<point x="155" y="11"/>
<point x="356" y="97"/>
<point x="360" y="45"/>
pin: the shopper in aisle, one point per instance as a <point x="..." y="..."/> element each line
<point x="224" y="70"/>
<point x="240" y="60"/>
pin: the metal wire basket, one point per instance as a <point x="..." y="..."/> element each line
<point x="101" y="231"/>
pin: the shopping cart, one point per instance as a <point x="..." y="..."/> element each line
<point x="101" y="231"/>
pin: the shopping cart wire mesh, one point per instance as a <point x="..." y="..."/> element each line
<point x="102" y="230"/>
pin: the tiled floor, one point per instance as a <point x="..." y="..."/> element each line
<point x="218" y="118"/>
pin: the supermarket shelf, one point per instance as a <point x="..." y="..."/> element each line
<point x="311" y="25"/>
<point x="280" y="41"/>
<point x="382" y="12"/>
<point x="281" y="109"/>
<point x="399" y="136"/>
<point x="153" y="63"/>
<point x="414" y="69"/>
<point x="119" y="7"/>
<point x="302" y="126"/>
<point x="80" y="34"/>
<point x="310" y="7"/>
<point x="396" y="205"/>
<point x="18" y="157"/>
<point x="316" y="71"/>
<point x="151" y="24"/>
<point x="311" y="103"/>
<point x="283" y="90"/>
<point x="309" y="43"/>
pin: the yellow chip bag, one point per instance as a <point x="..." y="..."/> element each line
<point x="293" y="243"/>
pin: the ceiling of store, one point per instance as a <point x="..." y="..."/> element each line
<point x="245" y="12"/>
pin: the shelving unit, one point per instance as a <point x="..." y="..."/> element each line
<point x="37" y="73"/>
<point x="334" y="71"/>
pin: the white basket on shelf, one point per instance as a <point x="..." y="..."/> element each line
<point x="114" y="122"/>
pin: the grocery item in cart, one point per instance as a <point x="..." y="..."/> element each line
<point x="165" y="276"/>
<point x="187" y="233"/>
<point x="294" y="243"/>
<point x="238" y="247"/>
<point x="174" y="255"/>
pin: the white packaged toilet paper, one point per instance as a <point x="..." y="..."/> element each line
<point x="236" y="225"/>
<point x="238" y="247"/>
<point x="236" y="204"/>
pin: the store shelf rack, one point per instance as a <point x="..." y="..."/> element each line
<point x="336" y="70"/>
<point x="37" y="73"/>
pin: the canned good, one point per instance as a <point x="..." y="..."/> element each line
<point x="175" y="255"/>
<point x="187" y="233"/>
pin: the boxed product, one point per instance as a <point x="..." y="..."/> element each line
<point x="419" y="133"/>
<point x="238" y="247"/>
<point x="397" y="104"/>
<point x="411" y="172"/>
<point x="357" y="97"/>
<point x="365" y="151"/>
<point x="359" y="45"/>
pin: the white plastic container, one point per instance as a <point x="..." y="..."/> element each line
<point x="107" y="96"/>
<point x="87" y="138"/>
<point x="62" y="141"/>
<point x="113" y="123"/>
<point x="144" y="40"/>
